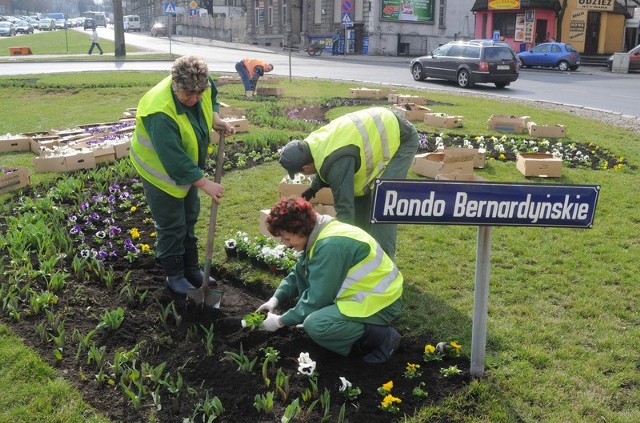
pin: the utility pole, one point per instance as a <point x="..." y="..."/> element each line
<point x="118" y="29"/>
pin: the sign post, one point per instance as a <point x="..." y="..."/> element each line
<point x="169" y="9"/>
<point x="485" y="205"/>
<point x="346" y="11"/>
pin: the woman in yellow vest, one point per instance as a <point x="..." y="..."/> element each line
<point x="348" y="290"/>
<point x="347" y="155"/>
<point x="250" y="70"/>
<point x="169" y="149"/>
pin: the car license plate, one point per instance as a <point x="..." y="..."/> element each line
<point x="503" y="67"/>
<point x="577" y="62"/>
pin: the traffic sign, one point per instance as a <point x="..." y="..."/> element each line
<point x="169" y="8"/>
<point x="193" y="4"/>
<point x="346" y="20"/>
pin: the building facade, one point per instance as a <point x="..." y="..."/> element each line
<point x="592" y="27"/>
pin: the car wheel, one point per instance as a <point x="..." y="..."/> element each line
<point x="563" y="65"/>
<point x="464" y="79"/>
<point x="501" y="84"/>
<point x="417" y="72"/>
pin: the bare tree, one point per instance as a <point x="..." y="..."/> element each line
<point x="118" y="30"/>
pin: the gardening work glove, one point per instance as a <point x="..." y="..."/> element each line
<point x="309" y="193"/>
<point x="269" y="306"/>
<point x="271" y="323"/>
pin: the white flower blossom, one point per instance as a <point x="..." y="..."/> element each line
<point x="345" y="384"/>
<point x="306" y="366"/>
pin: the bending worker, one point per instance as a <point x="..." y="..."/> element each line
<point x="348" y="289"/>
<point x="174" y="120"/>
<point x="347" y="155"/>
<point x="250" y="70"/>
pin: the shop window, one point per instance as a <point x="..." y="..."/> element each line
<point x="505" y="23"/>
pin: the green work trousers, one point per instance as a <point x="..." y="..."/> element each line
<point x="398" y="167"/>
<point x="175" y="220"/>
<point x="336" y="332"/>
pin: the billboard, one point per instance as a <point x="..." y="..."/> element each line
<point x="407" y="10"/>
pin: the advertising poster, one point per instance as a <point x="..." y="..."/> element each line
<point x="519" y="36"/>
<point x="407" y="10"/>
<point x="503" y="4"/>
<point x="524" y="27"/>
<point x="577" y="25"/>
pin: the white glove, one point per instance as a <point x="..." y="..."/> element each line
<point x="271" y="323"/>
<point x="269" y="306"/>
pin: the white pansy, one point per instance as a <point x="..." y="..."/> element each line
<point x="306" y="365"/>
<point x="345" y="384"/>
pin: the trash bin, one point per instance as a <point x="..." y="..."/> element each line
<point x="523" y="47"/>
<point x="620" y="63"/>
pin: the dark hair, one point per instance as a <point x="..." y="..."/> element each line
<point x="293" y="214"/>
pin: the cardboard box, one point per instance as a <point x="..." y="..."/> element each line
<point x="434" y="164"/>
<point x="263" y="224"/>
<point x="412" y="111"/>
<point x="471" y="177"/>
<point x="270" y="91"/>
<point x="229" y="79"/>
<point x="122" y="149"/>
<point x="548" y="131"/>
<point x="241" y="125"/>
<point x="325" y="209"/>
<point x="19" y="143"/>
<point x="227" y="111"/>
<point x="443" y="120"/>
<point x="366" y="93"/>
<point x="18" y="178"/>
<point x="269" y="79"/>
<point x="324" y="196"/>
<point x="70" y="163"/>
<point x="102" y="152"/>
<point x="539" y="164"/>
<point x="507" y="123"/>
<point x="405" y="98"/>
<point x="479" y="159"/>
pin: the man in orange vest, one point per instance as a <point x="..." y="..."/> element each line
<point x="250" y="70"/>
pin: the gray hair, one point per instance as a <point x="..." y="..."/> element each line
<point x="190" y="73"/>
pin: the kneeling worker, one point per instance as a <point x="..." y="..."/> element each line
<point x="250" y="70"/>
<point x="348" y="289"/>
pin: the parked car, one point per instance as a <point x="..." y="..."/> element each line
<point x="23" y="27"/>
<point x="552" y="55"/>
<point x="34" y="21"/>
<point x="634" y="59"/>
<point x="88" y="23"/>
<point x="47" y="24"/>
<point x="159" y="30"/>
<point x="61" y="23"/>
<point x="468" y="63"/>
<point x="7" y="29"/>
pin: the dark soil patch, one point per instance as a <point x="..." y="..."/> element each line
<point x="84" y="301"/>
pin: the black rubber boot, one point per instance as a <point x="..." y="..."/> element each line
<point x="192" y="270"/>
<point x="384" y="341"/>
<point x="173" y="267"/>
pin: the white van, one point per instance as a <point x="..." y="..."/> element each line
<point x="131" y="23"/>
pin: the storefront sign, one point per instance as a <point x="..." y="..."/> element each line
<point x="604" y="5"/>
<point x="407" y="10"/>
<point x="503" y="4"/>
<point x="577" y="25"/>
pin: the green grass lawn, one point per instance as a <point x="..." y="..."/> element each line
<point x="563" y="342"/>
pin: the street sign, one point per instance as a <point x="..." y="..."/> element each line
<point x="193" y="4"/>
<point x="485" y="205"/>
<point x="169" y="8"/>
<point x="497" y="204"/>
<point x="346" y="20"/>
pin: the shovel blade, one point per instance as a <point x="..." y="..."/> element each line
<point x="205" y="296"/>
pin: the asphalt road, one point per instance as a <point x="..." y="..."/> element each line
<point x="588" y="87"/>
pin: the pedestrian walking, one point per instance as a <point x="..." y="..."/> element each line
<point x="94" y="41"/>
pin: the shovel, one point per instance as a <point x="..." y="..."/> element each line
<point x="204" y="295"/>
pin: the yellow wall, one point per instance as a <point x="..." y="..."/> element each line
<point x="611" y="34"/>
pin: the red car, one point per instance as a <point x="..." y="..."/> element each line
<point x="159" y="30"/>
